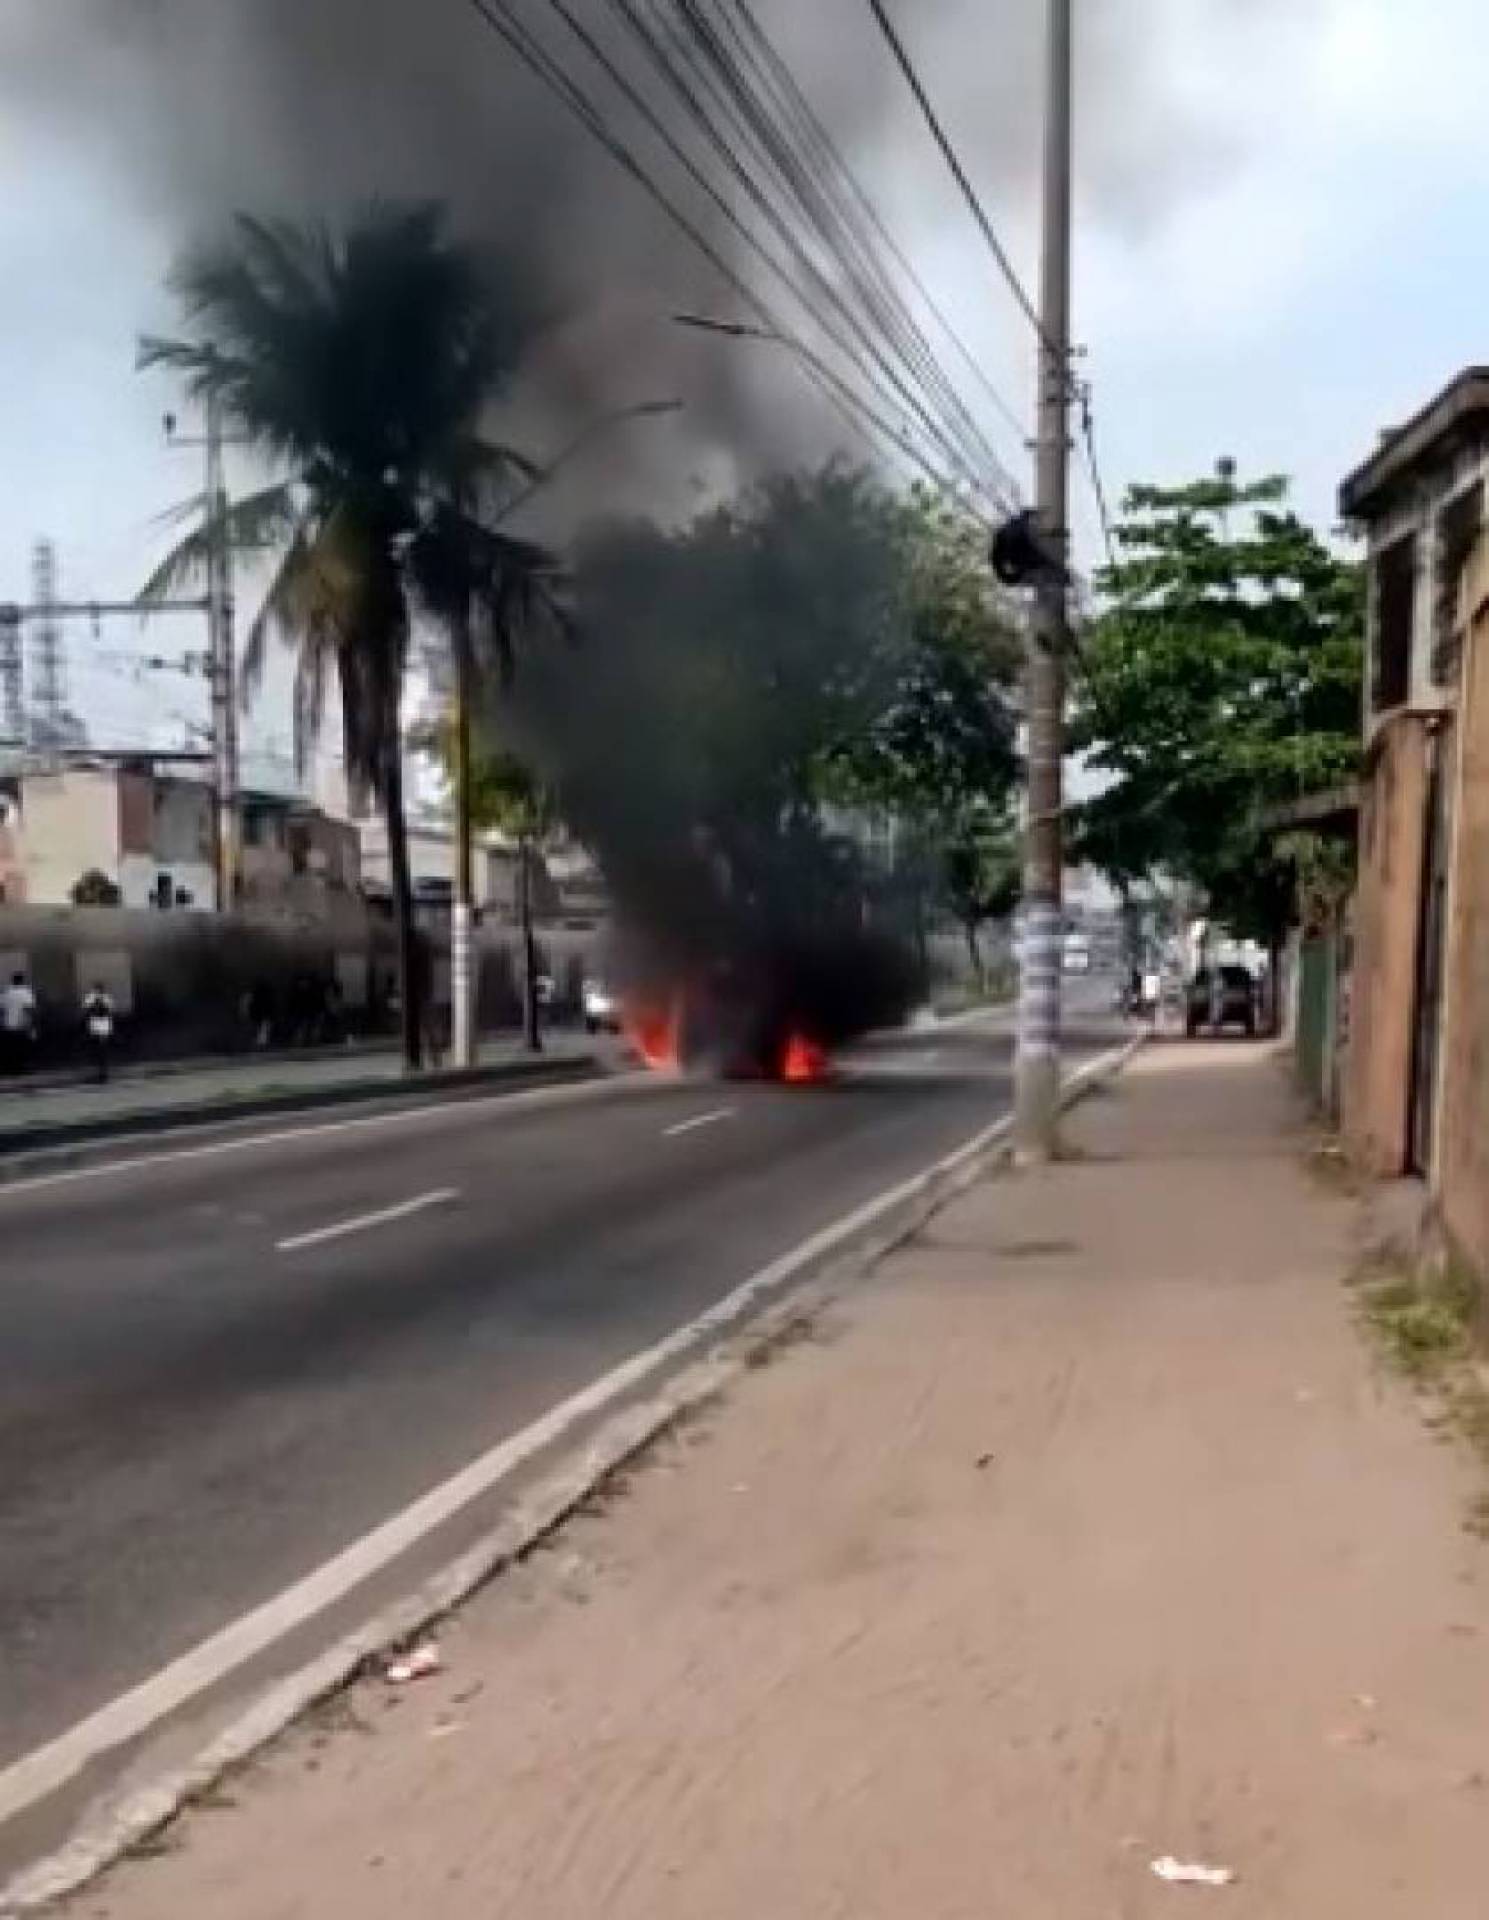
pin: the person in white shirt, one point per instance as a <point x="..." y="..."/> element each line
<point x="98" y="1020"/>
<point x="17" y="1023"/>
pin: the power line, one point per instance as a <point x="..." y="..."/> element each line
<point x="824" y="140"/>
<point x="824" y="290"/>
<point x="700" y="179"/>
<point x="817" y="182"/>
<point x="861" y="415"/>
<point x="1088" y="437"/>
<point x="959" y="173"/>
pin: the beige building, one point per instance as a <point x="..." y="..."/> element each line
<point x="148" y="834"/>
<point x="1416" y="1073"/>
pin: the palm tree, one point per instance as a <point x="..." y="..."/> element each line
<point x="362" y="365"/>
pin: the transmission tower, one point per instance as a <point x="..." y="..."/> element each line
<point x="12" y="705"/>
<point x="48" y="657"/>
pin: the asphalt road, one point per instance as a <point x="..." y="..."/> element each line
<point x="218" y="1368"/>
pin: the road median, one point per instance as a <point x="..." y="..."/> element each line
<point x="37" y="1145"/>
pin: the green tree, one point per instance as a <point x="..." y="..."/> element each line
<point x="939" y="756"/>
<point x="981" y="873"/>
<point x="95" y="889"/>
<point x="362" y="365"/>
<point x="507" y="795"/>
<point x="1221" y="679"/>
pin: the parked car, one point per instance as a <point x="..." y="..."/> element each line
<point x="1217" y="1003"/>
<point x="601" y="1008"/>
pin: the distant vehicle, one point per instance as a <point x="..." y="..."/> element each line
<point x="1230" y="1001"/>
<point x="601" y="1008"/>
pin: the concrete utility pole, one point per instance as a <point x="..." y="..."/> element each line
<point x="1038" y="1068"/>
<point x="223" y="672"/>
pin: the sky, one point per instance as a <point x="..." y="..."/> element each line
<point x="1278" y="251"/>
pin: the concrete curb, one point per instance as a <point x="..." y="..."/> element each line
<point x="25" y="1151"/>
<point x="806" y="1278"/>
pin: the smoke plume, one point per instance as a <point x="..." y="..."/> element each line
<point x="298" y="106"/>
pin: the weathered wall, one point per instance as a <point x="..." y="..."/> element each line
<point x="180" y="979"/>
<point x="70" y="822"/>
<point x="1387" y="912"/>
<point x="1462" y="1171"/>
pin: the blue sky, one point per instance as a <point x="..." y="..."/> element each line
<point x="1280" y="248"/>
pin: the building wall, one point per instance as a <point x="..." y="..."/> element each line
<point x="1462" y="1169"/>
<point x="70" y="822"/>
<point x="1377" y="1099"/>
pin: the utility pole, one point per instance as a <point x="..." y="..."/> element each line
<point x="1037" y="1104"/>
<point x="464" y="982"/>
<point x="222" y="670"/>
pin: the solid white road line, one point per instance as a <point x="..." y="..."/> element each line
<point x="699" y="1120"/>
<point x="338" y="1230"/>
<point x="521" y="1102"/>
<point x="41" y="1772"/>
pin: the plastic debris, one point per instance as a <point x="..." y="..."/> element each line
<point x="1191" y="1873"/>
<point x="416" y="1665"/>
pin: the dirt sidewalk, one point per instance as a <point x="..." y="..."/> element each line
<point x="1085" y="1532"/>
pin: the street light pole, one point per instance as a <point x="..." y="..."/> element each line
<point x="464" y="993"/>
<point x="1037" y="1097"/>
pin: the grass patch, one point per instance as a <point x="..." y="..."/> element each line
<point x="1424" y="1320"/>
<point x="1425" y="1323"/>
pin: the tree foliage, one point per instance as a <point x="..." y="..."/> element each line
<point x="1221" y="680"/>
<point x="818" y="642"/>
<point x="362" y="365"/>
<point x="95" y="889"/>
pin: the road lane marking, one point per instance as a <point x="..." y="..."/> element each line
<point x="699" y="1120"/>
<point x="359" y="1223"/>
<point x="522" y="1101"/>
<point x="38" y="1774"/>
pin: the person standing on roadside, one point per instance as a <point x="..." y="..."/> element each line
<point x="98" y="1023"/>
<point x="17" y="1023"/>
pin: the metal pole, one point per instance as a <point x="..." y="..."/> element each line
<point x="463" y="1019"/>
<point x="1038" y="1065"/>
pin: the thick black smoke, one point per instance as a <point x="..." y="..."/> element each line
<point x="686" y="738"/>
<point x="294" y="106"/>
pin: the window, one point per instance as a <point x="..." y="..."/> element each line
<point x="1457" y="534"/>
<point x="1395" y="592"/>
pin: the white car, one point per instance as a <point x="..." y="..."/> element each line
<point x="601" y="1008"/>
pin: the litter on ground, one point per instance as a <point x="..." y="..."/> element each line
<point x="416" y="1665"/>
<point x="1191" y="1873"/>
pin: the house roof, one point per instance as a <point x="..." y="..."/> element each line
<point x="1461" y="409"/>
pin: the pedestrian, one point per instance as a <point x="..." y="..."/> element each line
<point x="98" y="1023"/>
<point x="17" y="1023"/>
<point x="258" y="1008"/>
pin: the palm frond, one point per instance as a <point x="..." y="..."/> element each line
<point x="258" y="520"/>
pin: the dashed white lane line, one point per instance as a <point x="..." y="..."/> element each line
<point x="565" y="1094"/>
<point x="338" y="1229"/>
<point x="699" y="1120"/>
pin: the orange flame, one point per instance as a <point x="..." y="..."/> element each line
<point x="802" y="1061"/>
<point x="656" y="1034"/>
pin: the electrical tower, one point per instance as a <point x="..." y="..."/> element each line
<point x="48" y="656"/>
<point x="12" y="679"/>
